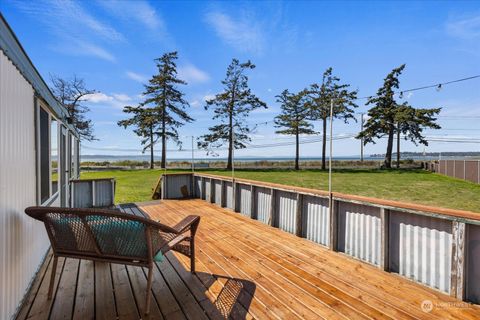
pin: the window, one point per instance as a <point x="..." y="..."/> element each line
<point x="72" y="156"/>
<point x="48" y="157"/>
<point x="54" y="154"/>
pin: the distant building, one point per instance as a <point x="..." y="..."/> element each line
<point x="38" y="156"/>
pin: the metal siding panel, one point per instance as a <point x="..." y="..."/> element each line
<point x="421" y="248"/>
<point x="316" y="219"/>
<point x="359" y="231"/>
<point x="104" y="193"/>
<point x="23" y="241"/>
<point x="207" y="190"/>
<point x="82" y="194"/>
<point x="218" y="192"/>
<point x="263" y="200"/>
<point x="229" y="195"/>
<point x="198" y="187"/>
<point x="245" y="200"/>
<point x="286" y="204"/>
<point x="473" y="264"/>
<point x="175" y="183"/>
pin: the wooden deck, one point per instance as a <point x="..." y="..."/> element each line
<point x="245" y="269"/>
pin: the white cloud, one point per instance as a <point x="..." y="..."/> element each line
<point x="121" y="97"/>
<point x="465" y="28"/>
<point x="208" y="97"/>
<point x="136" y="77"/>
<point x="194" y="103"/>
<point x="138" y="10"/>
<point x="115" y="100"/>
<point x="244" y="34"/>
<point x="89" y="49"/>
<point x="192" y="74"/>
<point x="71" y="25"/>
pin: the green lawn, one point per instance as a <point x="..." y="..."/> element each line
<point x="416" y="186"/>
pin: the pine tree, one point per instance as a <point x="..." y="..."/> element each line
<point x="145" y="122"/>
<point x="320" y="97"/>
<point x="387" y="117"/>
<point x="410" y="122"/>
<point x="231" y="108"/>
<point x="293" y="118"/>
<point x="167" y="101"/>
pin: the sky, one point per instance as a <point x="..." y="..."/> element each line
<point x="112" y="46"/>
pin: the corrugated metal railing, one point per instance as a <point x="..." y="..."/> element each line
<point x="92" y="193"/>
<point x="461" y="169"/>
<point x="425" y="244"/>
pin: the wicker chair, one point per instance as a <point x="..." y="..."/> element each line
<point x="115" y="237"/>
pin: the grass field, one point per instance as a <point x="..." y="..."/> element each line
<point x="415" y="186"/>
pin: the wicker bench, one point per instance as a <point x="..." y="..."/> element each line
<point x="115" y="237"/>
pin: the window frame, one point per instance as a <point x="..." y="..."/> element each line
<point x="51" y="196"/>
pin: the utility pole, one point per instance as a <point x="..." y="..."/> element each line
<point x="193" y="157"/>
<point x="361" y="140"/>
<point x="331" y="151"/>
<point x="398" y="145"/>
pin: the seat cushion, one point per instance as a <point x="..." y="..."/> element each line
<point x="119" y="237"/>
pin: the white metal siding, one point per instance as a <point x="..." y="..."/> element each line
<point x="421" y="248"/>
<point x="218" y="192"/>
<point x="286" y="206"/>
<point x="23" y="241"/>
<point x="263" y="201"/>
<point x="244" y="199"/>
<point x="359" y="231"/>
<point x="175" y="183"/>
<point x="473" y="264"/>
<point x="207" y="190"/>
<point x="316" y="219"/>
<point x="228" y="195"/>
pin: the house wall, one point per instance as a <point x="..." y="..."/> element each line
<point x="23" y="241"/>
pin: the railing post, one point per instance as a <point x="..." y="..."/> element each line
<point x="253" y="205"/>
<point x="457" y="277"/>
<point x="202" y="188"/>
<point x="222" y="194"/>
<point x="272" y="217"/>
<point x="234" y="196"/>
<point x="333" y="211"/>
<point x="212" y="191"/>
<point x="299" y="216"/>
<point x="93" y="193"/>
<point x="384" y="238"/>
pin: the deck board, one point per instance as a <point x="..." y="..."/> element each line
<point x="245" y="270"/>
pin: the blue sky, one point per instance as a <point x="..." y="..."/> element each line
<point x="112" y="44"/>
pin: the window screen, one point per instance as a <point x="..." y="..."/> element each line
<point x="44" y="157"/>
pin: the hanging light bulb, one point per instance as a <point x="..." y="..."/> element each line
<point x="439" y="87"/>
<point x="401" y="95"/>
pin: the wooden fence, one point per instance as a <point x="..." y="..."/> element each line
<point x="461" y="169"/>
<point x="437" y="247"/>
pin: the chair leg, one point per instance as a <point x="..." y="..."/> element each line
<point x="192" y="255"/>
<point x="149" y="290"/>
<point x="52" y="277"/>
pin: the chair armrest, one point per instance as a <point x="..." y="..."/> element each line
<point x="190" y="222"/>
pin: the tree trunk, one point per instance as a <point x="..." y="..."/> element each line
<point x="230" y="142"/>
<point x="388" y="154"/>
<point x="297" y="150"/>
<point x="151" y="148"/>
<point x="398" y="146"/>
<point x="324" y="143"/>
<point x="164" y="141"/>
